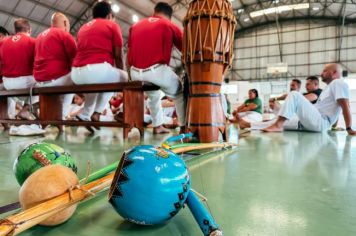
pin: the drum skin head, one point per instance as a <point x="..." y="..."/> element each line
<point x="150" y="186"/>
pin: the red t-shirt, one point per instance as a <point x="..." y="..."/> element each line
<point x="1" y="40"/>
<point x="96" y="42"/>
<point x="151" y="41"/>
<point x="17" y="55"/>
<point x="54" y="53"/>
<point x="115" y="102"/>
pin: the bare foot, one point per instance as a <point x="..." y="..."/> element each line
<point x="25" y="114"/>
<point x="273" y="128"/>
<point x="160" y="130"/>
<point x="244" y="124"/>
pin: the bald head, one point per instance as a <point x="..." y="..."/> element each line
<point x="331" y="71"/>
<point x="59" y="20"/>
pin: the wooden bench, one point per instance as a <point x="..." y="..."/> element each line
<point x="51" y="108"/>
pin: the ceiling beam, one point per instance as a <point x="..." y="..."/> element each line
<point x="319" y="18"/>
<point x="18" y="16"/>
<point x="51" y="7"/>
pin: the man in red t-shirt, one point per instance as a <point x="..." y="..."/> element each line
<point x="54" y="53"/>
<point x="3" y="34"/>
<point x="99" y="59"/>
<point x="150" y="45"/>
<point x="11" y="103"/>
<point x="17" y="55"/>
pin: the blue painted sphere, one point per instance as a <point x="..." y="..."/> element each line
<point x="150" y="186"/>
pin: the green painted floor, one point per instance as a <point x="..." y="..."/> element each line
<point x="272" y="184"/>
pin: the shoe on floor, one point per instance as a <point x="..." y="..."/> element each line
<point x="26" y="130"/>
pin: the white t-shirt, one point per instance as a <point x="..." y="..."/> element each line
<point x="327" y="103"/>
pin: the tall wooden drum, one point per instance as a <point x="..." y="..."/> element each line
<point x="209" y="28"/>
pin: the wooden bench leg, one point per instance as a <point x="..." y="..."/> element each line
<point x="51" y="108"/>
<point x="4" y="115"/>
<point x="133" y="111"/>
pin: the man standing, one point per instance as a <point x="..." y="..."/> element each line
<point x="150" y="45"/>
<point x="54" y="53"/>
<point x="321" y="116"/>
<point x="17" y="56"/>
<point x="99" y="59"/>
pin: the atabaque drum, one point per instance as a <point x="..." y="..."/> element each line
<point x="207" y="53"/>
<point x="150" y="186"/>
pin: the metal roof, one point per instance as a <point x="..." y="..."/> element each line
<point x="79" y="11"/>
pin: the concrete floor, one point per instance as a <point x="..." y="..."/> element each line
<point x="272" y="184"/>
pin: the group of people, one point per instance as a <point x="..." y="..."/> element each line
<point x="55" y="58"/>
<point x="316" y="110"/>
<point x="96" y="56"/>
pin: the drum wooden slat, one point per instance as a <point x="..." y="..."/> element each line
<point x="206" y="117"/>
<point x="207" y="52"/>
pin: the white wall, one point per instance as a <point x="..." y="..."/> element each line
<point x="305" y="46"/>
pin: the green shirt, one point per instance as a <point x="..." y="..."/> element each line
<point x="258" y="103"/>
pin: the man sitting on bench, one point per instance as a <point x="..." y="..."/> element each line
<point x="3" y="34"/>
<point x="54" y="53"/>
<point x="99" y="59"/>
<point x="11" y="104"/>
<point x="17" y="55"/>
<point x="149" y="52"/>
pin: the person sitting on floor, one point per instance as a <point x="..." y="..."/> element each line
<point x="17" y="70"/>
<point x="99" y="59"/>
<point x="54" y="53"/>
<point x="313" y="90"/>
<point x="294" y="85"/>
<point x="76" y="107"/>
<point x="312" y="95"/>
<point x="117" y="106"/>
<point x="251" y="110"/>
<point x="116" y="103"/>
<point x="321" y="116"/>
<point x="150" y="46"/>
<point x="169" y="113"/>
<point x="273" y="107"/>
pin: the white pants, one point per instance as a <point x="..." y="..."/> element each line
<point x="22" y="82"/>
<point x="11" y="104"/>
<point x="102" y="73"/>
<point x="292" y="124"/>
<point x="164" y="77"/>
<point x="251" y="116"/>
<point x="67" y="98"/>
<point x="301" y="114"/>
